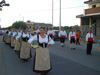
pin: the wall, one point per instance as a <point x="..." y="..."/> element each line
<point x="97" y="5"/>
<point x="98" y="27"/>
<point x="30" y="27"/>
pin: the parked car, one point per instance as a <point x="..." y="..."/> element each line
<point x="1" y="33"/>
<point x="56" y="36"/>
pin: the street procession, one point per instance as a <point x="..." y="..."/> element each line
<point x="20" y="40"/>
<point x="49" y="37"/>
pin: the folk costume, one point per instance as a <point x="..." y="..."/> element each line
<point x="25" y="52"/>
<point x="8" y="37"/>
<point x="18" y="41"/>
<point x="89" y="39"/>
<point x="42" y="57"/>
<point x="72" y="39"/>
<point x="12" y="39"/>
<point x="63" y="36"/>
<point x="50" y="33"/>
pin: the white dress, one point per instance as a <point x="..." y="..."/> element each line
<point x="12" y="39"/>
<point x="18" y="44"/>
<point x="25" y="52"/>
<point x="42" y="57"/>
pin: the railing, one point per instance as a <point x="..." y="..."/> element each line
<point x="92" y="11"/>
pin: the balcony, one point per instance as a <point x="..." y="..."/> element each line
<point x="92" y="11"/>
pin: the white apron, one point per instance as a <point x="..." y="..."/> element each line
<point x="42" y="59"/>
<point x="12" y="41"/>
<point x="25" y="52"/>
<point x="17" y="46"/>
<point x="8" y="38"/>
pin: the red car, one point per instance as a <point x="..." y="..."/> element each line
<point x="1" y="33"/>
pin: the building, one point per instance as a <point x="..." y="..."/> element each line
<point x="34" y="26"/>
<point x="91" y="19"/>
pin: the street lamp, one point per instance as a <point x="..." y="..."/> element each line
<point x="60" y="16"/>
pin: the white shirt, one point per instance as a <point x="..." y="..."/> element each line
<point x="25" y="35"/>
<point x="18" y="35"/>
<point x="13" y="33"/>
<point x="41" y="40"/>
<point x="88" y="36"/>
<point x="9" y="33"/>
<point x="72" y="34"/>
<point x="37" y="31"/>
<point x="62" y="33"/>
<point x="50" y="32"/>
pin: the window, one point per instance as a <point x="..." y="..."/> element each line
<point x="93" y="6"/>
<point x="30" y="26"/>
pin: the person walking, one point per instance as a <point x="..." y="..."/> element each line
<point x="42" y="62"/>
<point x="13" y="37"/>
<point x="18" y="40"/>
<point x="77" y="37"/>
<point x="25" y="52"/>
<point x="8" y="37"/>
<point x="89" y="40"/>
<point x="50" y="33"/>
<point x="72" y="39"/>
<point x="63" y="35"/>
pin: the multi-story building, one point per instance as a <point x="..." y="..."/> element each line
<point x="34" y="26"/>
<point x="91" y="19"/>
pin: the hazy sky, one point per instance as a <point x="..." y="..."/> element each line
<point x="41" y="11"/>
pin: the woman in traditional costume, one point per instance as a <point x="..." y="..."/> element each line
<point x="63" y="36"/>
<point x="18" y="40"/>
<point x="42" y="62"/>
<point x="14" y="33"/>
<point x="25" y="52"/>
<point x="8" y="37"/>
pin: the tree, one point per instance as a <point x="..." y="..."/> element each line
<point x="19" y="24"/>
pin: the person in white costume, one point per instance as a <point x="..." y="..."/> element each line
<point x="50" y="33"/>
<point x="25" y="52"/>
<point x="89" y="40"/>
<point x="63" y="35"/>
<point x="72" y="39"/>
<point x="42" y="58"/>
<point x="14" y="33"/>
<point x="18" y="40"/>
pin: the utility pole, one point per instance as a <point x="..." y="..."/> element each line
<point x="52" y="11"/>
<point x="60" y="16"/>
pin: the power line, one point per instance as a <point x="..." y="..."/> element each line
<point x="51" y="9"/>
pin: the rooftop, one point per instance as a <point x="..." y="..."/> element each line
<point x="92" y="1"/>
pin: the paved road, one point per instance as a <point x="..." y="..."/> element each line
<point x="64" y="61"/>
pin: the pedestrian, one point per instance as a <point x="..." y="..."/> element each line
<point x="72" y="39"/>
<point x="89" y="40"/>
<point x="77" y="37"/>
<point x="13" y="37"/>
<point x="63" y="35"/>
<point x="18" y="40"/>
<point x="8" y="37"/>
<point x="42" y="62"/>
<point x="25" y="52"/>
<point x="99" y="45"/>
<point x="38" y="31"/>
<point x="50" y="33"/>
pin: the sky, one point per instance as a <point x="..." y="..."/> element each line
<point x="41" y="11"/>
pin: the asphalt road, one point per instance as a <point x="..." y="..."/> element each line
<point x="64" y="61"/>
